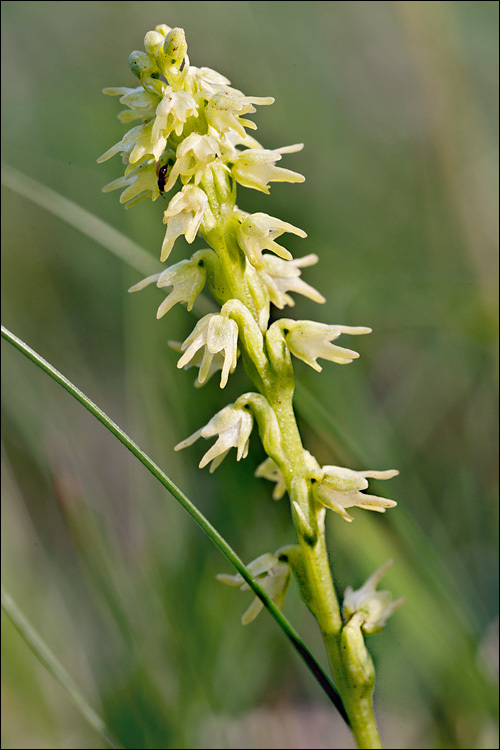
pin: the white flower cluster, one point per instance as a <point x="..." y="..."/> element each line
<point x="191" y="119"/>
<point x="193" y="126"/>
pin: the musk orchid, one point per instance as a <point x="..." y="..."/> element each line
<point x="193" y="146"/>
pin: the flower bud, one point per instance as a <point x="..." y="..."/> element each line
<point x="175" y="47"/>
<point x="171" y="54"/>
<point x="152" y="41"/>
<point x="163" y="29"/>
<point x="358" y="665"/>
<point x="141" y="64"/>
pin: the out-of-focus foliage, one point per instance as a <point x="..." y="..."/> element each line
<point x="395" y="103"/>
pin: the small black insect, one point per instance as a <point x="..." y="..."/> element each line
<point x="162" y="174"/>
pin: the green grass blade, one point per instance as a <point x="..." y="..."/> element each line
<point x="207" y="527"/>
<point x="83" y="220"/>
<point x="55" y="668"/>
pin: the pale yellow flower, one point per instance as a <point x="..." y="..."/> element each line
<point x="375" y="606"/>
<point x="233" y="426"/>
<point x="339" y="488"/>
<point x="187" y="278"/>
<point x="309" y="340"/>
<point x="193" y="156"/>
<point x="225" y="110"/>
<point x="283" y="276"/>
<point x="255" y="168"/>
<point x="216" y="334"/>
<point x="183" y="216"/>
<point x="257" y="232"/>
<point x="274" y="576"/>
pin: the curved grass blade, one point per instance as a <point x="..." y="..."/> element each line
<point x="200" y="519"/>
<point x="55" y="668"/>
<point x="92" y="226"/>
<point x="83" y="220"/>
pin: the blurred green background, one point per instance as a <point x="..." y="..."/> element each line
<point x="396" y="103"/>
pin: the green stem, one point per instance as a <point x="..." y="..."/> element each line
<point x="321" y="596"/>
<point x="363" y="724"/>
<point x="324" y="605"/>
<point x="270" y="368"/>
